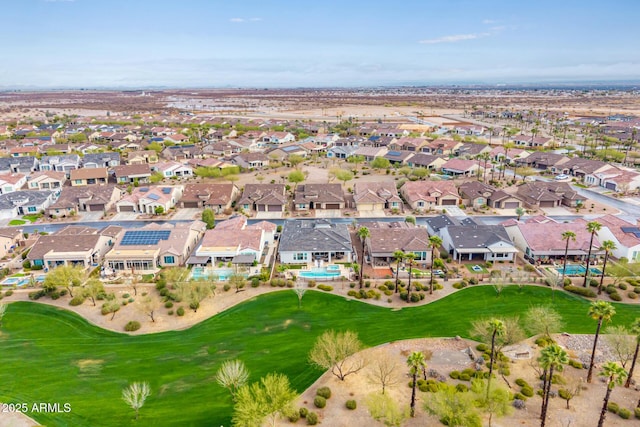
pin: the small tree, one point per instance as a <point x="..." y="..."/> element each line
<point x="571" y="389"/>
<point x="92" y="289"/>
<point x="194" y="292"/>
<point x="3" y="310"/>
<point x="269" y="398"/>
<point x="238" y="281"/>
<point x="296" y="177"/>
<point x="490" y="330"/>
<point x="295" y="159"/>
<point x="552" y="357"/>
<point x="337" y="351"/>
<point x="111" y="307"/>
<point x="149" y="305"/>
<point x="416" y="363"/>
<point x="209" y="218"/>
<point x="300" y="291"/>
<point x="453" y="408"/>
<point x="635" y="330"/>
<point x="615" y="375"/>
<point x="542" y="320"/>
<point x="384" y="371"/>
<point x="159" y="210"/>
<point x="385" y="409"/>
<point x="65" y="276"/>
<point x="601" y="311"/>
<point x="344" y="175"/>
<point x="497" y="402"/>
<point x="135" y="395"/>
<point x="519" y="213"/>
<point x="232" y="375"/>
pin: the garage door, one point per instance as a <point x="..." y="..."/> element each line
<point x="333" y="206"/>
<point x="126" y="208"/>
<point x="511" y="205"/>
<point x="95" y="208"/>
<point x="450" y="202"/>
<point x="261" y="208"/>
<point x="274" y="208"/>
<point x="548" y="204"/>
<point x="190" y="204"/>
<point x="610" y="186"/>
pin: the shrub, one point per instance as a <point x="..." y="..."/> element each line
<point x="352" y="293"/>
<point x="462" y="388"/>
<point x="226" y="287"/>
<point x="613" y="407"/>
<point x="415" y="297"/>
<point x="576" y="364"/>
<point x="324" y="392"/>
<point x="326" y="288"/>
<point x="615" y="296"/>
<point x="637" y="412"/>
<point x="454" y="375"/>
<point x="255" y="282"/>
<point x="37" y="294"/>
<point x="459" y="285"/>
<point x="77" y="300"/>
<point x="636" y="289"/>
<point x="632" y="295"/>
<point x="482" y="347"/>
<point x="610" y="289"/>
<point x="168" y="304"/>
<point x="26" y="263"/>
<point x="585" y="292"/>
<point x="8" y="293"/>
<point x="624" y="413"/>
<point x="131" y="326"/>
<point x="567" y="282"/>
<point x="180" y="311"/>
<point x="125" y="296"/>
<point x="473" y="281"/>
<point x="594" y="283"/>
<point x="520" y="396"/>
<point x="303" y="412"/>
<point x="527" y="391"/>
<point x="519" y="403"/>
<point x="351" y="404"/>
<point x="623" y="286"/>
<point x="558" y="379"/>
<point x="294" y="417"/>
<point x="170" y="312"/>
<point x="319" y="402"/>
<point x="312" y="418"/>
<point x="423" y="385"/>
<point x="55" y="295"/>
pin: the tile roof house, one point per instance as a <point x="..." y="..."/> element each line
<point x="542" y="240"/>
<point x="341" y="152"/>
<point x="11" y="182"/>
<point x="148" y="199"/>
<point x="624" y="234"/>
<point x="181" y="152"/>
<point x="540" y="194"/>
<point x="251" y="160"/>
<point x="100" y="160"/>
<point x="230" y="239"/>
<point x="399" y="157"/>
<point x="616" y="179"/>
<point x="470" y="150"/>
<point x="25" y="202"/>
<point x="423" y="160"/>
<point x="387" y="237"/>
<point x="218" y="197"/>
<point x="531" y="141"/>
<point x="91" y="176"/>
<point x="142" y="157"/>
<point x="426" y="195"/>
<point x="499" y="153"/>
<point x="154" y="245"/>
<point x="376" y="196"/>
<point x="441" y="147"/>
<point x="318" y="196"/>
<point x="173" y="169"/>
<point x="543" y="160"/>
<point x="304" y="241"/>
<point x="127" y="174"/>
<point x="76" y="246"/>
<point x="460" y="167"/>
<point x="46" y="180"/>
<point x="478" y="242"/>
<point x="86" y="199"/>
<point x="477" y="194"/>
<point x="263" y="198"/>
<point x="63" y="163"/>
<point x="10" y="238"/>
<point x="24" y="165"/>
<point x="370" y="153"/>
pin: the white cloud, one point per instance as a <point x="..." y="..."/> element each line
<point x="237" y="20"/>
<point x="243" y="20"/>
<point x="489" y="21"/>
<point x="59" y="1"/>
<point x="454" y="38"/>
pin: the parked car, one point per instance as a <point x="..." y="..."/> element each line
<point x="561" y="177"/>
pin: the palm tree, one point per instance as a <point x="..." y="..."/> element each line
<point x="398" y="256"/>
<point x="497" y="328"/>
<point x="434" y="242"/>
<point x="615" y="374"/>
<point x="567" y="235"/>
<point x="507" y="146"/>
<point x="363" y="233"/>
<point x="552" y="357"/>
<point x="600" y="311"/>
<point x="416" y="363"/>
<point x="635" y="330"/>
<point x="607" y="246"/>
<point x="592" y="227"/>
<point x="409" y="257"/>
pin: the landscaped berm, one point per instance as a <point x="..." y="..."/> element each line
<point x="52" y="355"/>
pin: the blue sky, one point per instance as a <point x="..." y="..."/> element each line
<point x="182" y="43"/>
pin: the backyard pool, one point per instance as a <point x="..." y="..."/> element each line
<point x="199" y="273"/>
<point x="578" y="270"/>
<point x="329" y="272"/>
<point x="21" y="281"/>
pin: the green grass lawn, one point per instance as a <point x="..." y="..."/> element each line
<point x="471" y="270"/>
<point x="17" y="222"/>
<point x="32" y="217"/>
<point x="52" y="355"/>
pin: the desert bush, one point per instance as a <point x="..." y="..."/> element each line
<point x="473" y="281"/>
<point x="622" y="286"/>
<point x="319" y="402"/>
<point x="55" y="295"/>
<point x="326" y="288"/>
<point x="576" y="364"/>
<point x="77" y="300"/>
<point x="454" y="375"/>
<point x="125" y="296"/>
<point x="168" y="304"/>
<point x="520" y="396"/>
<point x="637" y="412"/>
<point x="351" y="404"/>
<point x="624" y="413"/>
<point x="459" y="285"/>
<point x="613" y="407"/>
<point x="585" y="292"/>
<point x="567" y="282"/>
<point x="462" y="388"/>
<point x="8" y="293"/>
<point x="482" y="347"/>
<point x="527" y="391"/>
<point x="132" y="325"/>
<point x="632" y="295"/>
<point x="324" y="392"/>
<point x="303" y="412"/>
<point x="37" y="294"/>
<point x="594" y="283"/>
<point x="227" y="286"/>
<point x="312" y="418"/>
<point x="352" y="293"/>
<point x="610" y="289"/>
<point x="636" y="289"/>
<point x="294" y="416"/>
<point x="180" y="311"/>
<point x="255" y="282"/>
<point x="615" y="296"/>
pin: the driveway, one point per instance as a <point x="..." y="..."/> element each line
<point x="557" y="211"/>
<point x="187" y="213"/>
<point x="454" y="211"/>
<point x="91" y="216"/>
<point x="124" y="216"/>
<point x="268" y="215"/>
<point x="328" y="213"/>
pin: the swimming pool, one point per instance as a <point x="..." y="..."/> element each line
<point x="578" y="270"/>
<point x="329" y="272"/>
<point x="21" y="281"/>
<point x="200" y="273"/>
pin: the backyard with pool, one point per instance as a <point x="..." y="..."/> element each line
<point x="579" y="270"/>
<point x="21" y="280"/>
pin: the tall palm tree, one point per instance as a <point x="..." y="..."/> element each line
<point x="434" y="243"/>
<point x="601" y="311"/>
<point x="496" y="328"/>
<point x="416" y="363"/>
<point x="552" y="357"/>
<point x="635" y="330"/>
<point x="592" y="227"/>
<point x="409" y="257"/>
<point x="507" y="146"/>
<point x="398" y="256"/>
<point x="567" y="235"/>
<point x="607" y="246"/>
<point x="363" y="233"/>
<point x="615" y="374"/>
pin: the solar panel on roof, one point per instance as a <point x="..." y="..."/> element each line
<point x="166" y="190"/>
<point x="630" y="229"/>
<point x="147" y="237"/>
<point x="143" y="189"/>
<point x="394" y="153"/>
<point x="154" y="197"/>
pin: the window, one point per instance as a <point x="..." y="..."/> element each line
<point x="31" y="209"/>
<point x="38" y="262"/>
<point x="245" y="206"/>
<point x="300" y="256"/>
<point x="169" y="259"/>
<point x="420" y="204"/>
<point x="78" y="181"/>
<point x="394" y="204"/>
